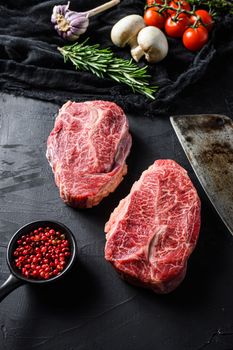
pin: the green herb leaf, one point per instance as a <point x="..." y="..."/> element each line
<point x="103" y="63"/>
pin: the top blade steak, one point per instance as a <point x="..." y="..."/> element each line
<point x="87" y="150"/>
<point x="153" y="231"/>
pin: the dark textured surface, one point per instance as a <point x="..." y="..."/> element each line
<point x="94" y="309"/>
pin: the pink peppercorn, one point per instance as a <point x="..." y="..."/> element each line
<point x="42" y="253"/>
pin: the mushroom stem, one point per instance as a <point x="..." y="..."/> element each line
<point x="103" y="7"/>
<point x="137" y="53"/>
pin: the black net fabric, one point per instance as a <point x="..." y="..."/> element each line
<point x="31" y="65"/>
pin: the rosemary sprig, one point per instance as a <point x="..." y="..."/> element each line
<point x="103" y="63"/>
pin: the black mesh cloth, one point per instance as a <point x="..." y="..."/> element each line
<point x="31" y="65"/>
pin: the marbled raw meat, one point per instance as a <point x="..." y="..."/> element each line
<point x="153" y="231"/>
<point x="87" y="150"/>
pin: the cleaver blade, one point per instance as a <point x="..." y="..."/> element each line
<point x="207" y="140"/>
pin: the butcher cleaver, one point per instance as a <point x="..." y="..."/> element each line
<point x="208" y="143"/>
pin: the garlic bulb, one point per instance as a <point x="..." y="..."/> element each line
<point x="71" y="24"/>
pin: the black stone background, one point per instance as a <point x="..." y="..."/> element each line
<point x="94" y="308"/>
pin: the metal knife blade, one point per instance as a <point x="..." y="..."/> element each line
<point x="208" y="143"/>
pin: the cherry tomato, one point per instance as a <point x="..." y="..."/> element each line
<point x="184" y="5"/>
<point x="153" y="18"/>
<point x="152" y="2"/>
<point x="206" y="18"/>
<point x="195" y="38"/>
<point x="176" y="27"/>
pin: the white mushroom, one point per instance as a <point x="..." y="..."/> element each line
<point x="152" y="43"/>
<point x="125" y="31"/>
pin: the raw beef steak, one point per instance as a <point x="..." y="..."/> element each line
<point x="152" y="232"/>
<point x="87" y="150"/>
